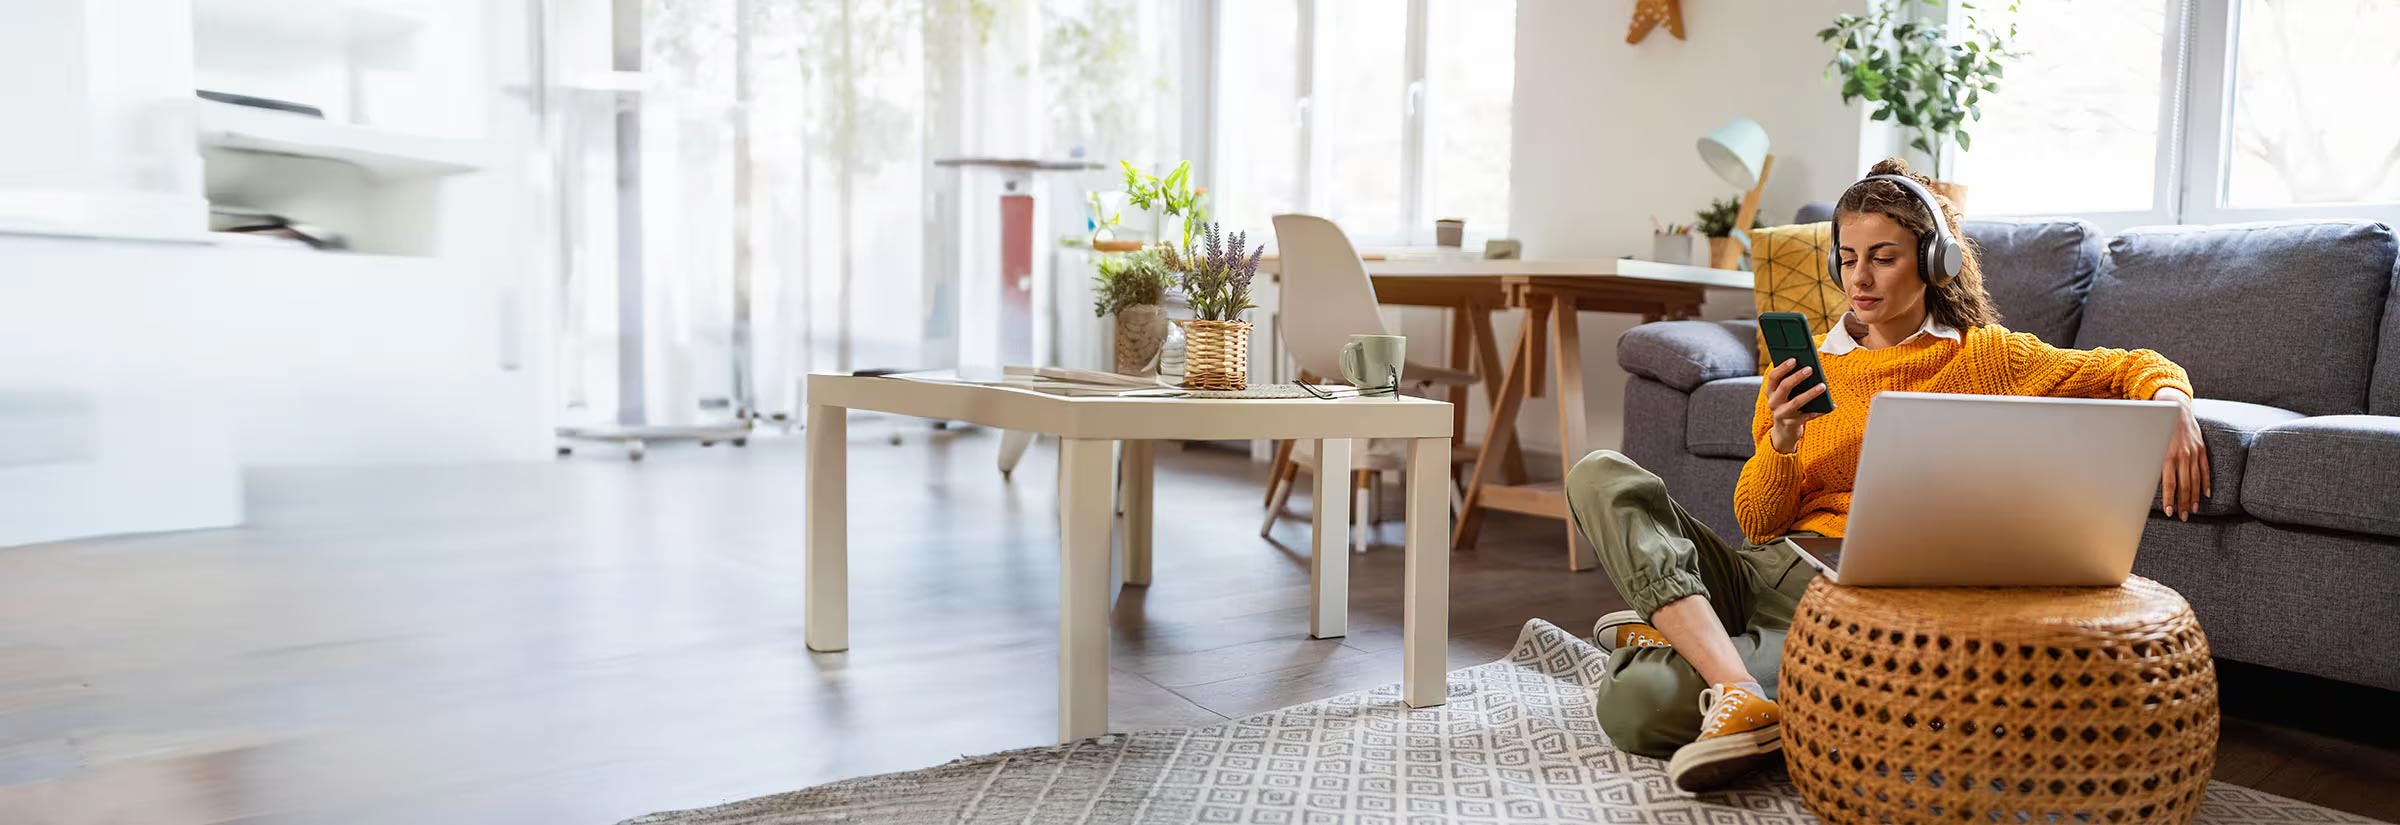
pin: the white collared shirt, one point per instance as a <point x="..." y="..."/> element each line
<point x="1840" y="341"/>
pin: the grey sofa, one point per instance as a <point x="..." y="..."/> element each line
<point x="2291" y="334"/>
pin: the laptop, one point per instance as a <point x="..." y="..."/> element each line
<point x="1998" y="491"/>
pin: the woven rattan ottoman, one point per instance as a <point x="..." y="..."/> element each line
<point x="1998" y="704"/>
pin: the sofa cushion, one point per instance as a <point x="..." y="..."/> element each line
<point x="2335" y="471"/>
<point x="2281" y="314"/>
<point x="1687" y="354"/>
<point x="2229" y="428"/>
<point x="1789" y="262"/>
<point x="2038" y="271"/>
<point x="1719" y="423"/>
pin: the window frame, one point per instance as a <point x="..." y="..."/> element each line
<point x="1312" y="144"/>
<point x="2198" y="57"/>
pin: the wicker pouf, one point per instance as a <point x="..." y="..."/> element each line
<point x="1998" y="704"/>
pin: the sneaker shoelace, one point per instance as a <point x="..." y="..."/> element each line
<point x="1636" y="638"/>
<point x="1721" y="704"/>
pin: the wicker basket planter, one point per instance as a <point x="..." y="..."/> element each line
<point x="1955" y="193"/>
<point x="1216" y="355"/>
<point x="1724" y="253"/>
<point x="1141" y="328"/>
<point x="2086" y="704"/>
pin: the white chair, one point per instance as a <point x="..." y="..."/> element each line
<point x="1327" y="298"/>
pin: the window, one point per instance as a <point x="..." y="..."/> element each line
<point x="1258" y="149"/>
<point x="1470" y="83"/>
<point x="2306" y="124"/>
<point x="791" y="218"/>
<point x="1380" y="115"/>
<point x="2087" y="89"/>
<point x="2193" y="111"/>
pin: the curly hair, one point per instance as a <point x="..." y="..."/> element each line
<point x="1961" y="302"/>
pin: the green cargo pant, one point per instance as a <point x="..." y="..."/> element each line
<point x="1655" y="553"/>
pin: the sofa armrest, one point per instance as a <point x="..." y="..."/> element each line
<point x="1687" y="354"/>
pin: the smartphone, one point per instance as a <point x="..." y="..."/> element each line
<point x="1788" y="340"/>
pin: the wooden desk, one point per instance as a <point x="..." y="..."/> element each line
<point x="1085" y="427"/>
<point x="1541" y="288"/>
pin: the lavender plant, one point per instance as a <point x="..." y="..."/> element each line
<point x="1217" y="280"/>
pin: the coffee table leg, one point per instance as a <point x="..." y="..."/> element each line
<point x="1086" y="511"/>
<point x="1141" y="459"/>
<point x="1329" y="559"/>
<point x="1425" y="616"/>
<point x="827" y="574"/>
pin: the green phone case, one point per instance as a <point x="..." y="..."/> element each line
<point x="1788" y="340"/>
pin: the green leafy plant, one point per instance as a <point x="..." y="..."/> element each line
<point x="1131" y="279"/>
<point x="1173" y="193"/>
<point x="1915" y="75"/>
<point x="1217" y="280"/>
<point x="1717" y="220"/>
<point x="1104" y="219"/>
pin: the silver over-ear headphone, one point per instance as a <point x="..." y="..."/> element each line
<point x="1938" y="254"/>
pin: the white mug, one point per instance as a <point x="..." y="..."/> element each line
<point x="1373" y="363"/>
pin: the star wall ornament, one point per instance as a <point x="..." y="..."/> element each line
<point x="1647" y="14"/>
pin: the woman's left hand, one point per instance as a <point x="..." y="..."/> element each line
<point x="2184" y="478"/>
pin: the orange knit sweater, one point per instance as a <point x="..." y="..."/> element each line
<point x="1782" y="493"/>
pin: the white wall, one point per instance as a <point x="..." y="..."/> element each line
<point x="1605" y="136"/>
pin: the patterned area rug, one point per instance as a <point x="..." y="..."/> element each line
<point x="1517" y="743"/>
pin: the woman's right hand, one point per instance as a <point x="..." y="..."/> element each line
<point x="1783" y="408"/>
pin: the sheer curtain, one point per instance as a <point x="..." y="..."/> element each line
<point x="788" y="177"/>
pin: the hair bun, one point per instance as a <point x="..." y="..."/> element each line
<point x="1891" y="166"/>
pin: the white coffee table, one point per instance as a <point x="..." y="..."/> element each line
<point x="1085" y="427"/>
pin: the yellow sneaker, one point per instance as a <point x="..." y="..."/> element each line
<point x="1625" y="628"/>
<point x="1739" y="732"/>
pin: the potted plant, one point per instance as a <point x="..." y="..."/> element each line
<point x="1105" y="222"/>
<point x="1133" y="286"/>
<point x="1216" y="280"/>
<point x="1716" y="222"/>
<point x="1170" y="197"/>
<point x="1919" y="78"/>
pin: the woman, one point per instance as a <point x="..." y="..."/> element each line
<point x="1692" y="666"/>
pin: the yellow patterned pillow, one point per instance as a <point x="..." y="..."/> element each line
<point x="1790" y="262"/>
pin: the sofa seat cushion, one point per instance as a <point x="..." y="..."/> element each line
<point x="2229" y="428"/>
<point x="2334" y="471"/>
<point x="1719" y="423"/>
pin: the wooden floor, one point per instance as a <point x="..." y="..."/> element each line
<point x="590" y="640"/>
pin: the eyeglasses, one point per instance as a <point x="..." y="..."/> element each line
<point x="1390" y="386"/>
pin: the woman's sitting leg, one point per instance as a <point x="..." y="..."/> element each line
<point x="1696" y="702"/>
<point x="1669" y="567"/>
<point x="1648" y="701"/>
